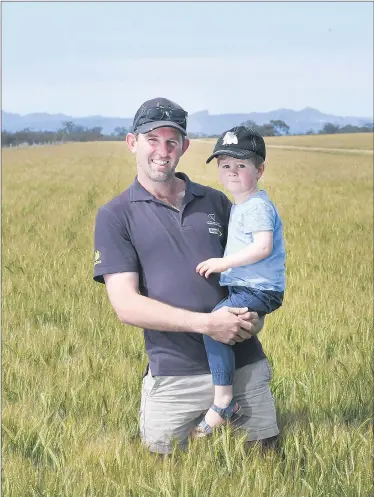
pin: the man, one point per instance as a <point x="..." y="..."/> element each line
<point x="148" y="242"/>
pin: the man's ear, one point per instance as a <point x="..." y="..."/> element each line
<point x="131" y="142"/>
<point x="186" y="144"/>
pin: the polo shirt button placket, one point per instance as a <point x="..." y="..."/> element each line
<point x="184" y="227"/>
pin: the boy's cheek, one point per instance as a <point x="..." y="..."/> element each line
<point x="221" y="174"/>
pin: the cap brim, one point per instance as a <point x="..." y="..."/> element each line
<point x="147" y="127"/>
<point x="237" y="154"/>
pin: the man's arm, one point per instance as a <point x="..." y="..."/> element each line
<point x="227" y="325"/>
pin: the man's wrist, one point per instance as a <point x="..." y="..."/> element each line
<point x="200" y="323"/>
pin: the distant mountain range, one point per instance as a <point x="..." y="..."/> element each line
<point x="200" y="122"/>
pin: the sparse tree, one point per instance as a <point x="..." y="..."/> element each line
<point x="120" y="131"/>
<point x="280" y="127"/>
<point x="330" y="129"/>
<point x="68" y="126"/>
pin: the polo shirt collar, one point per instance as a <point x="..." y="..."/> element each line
<point x="138" y="193"/>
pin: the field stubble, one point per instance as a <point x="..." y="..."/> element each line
<point x="72" y="373"/>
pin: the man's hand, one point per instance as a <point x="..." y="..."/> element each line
<point x="231" y="324"/>
<point x="217" y="265"/>
<point x="253" y="321"/>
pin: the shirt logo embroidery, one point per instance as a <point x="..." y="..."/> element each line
<point x="97" y="257"/>
<point x="215" y="231"/>
<point x="230" y="138"/>
<point x="212" y="221"/>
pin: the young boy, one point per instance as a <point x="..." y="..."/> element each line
<point x="253" y="264"/>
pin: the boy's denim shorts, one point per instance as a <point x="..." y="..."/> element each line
<point x="261" y="301"/>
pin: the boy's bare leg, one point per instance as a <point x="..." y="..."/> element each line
<point x="223" y="395"/>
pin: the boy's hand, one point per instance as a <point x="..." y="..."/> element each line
<point x="211" y="266"/>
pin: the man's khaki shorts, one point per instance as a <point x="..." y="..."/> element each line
<point x="171" y="406"/>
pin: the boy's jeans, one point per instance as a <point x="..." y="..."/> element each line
<point x="221" y="356"/>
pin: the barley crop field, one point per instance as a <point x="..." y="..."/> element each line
<point x="71" y="373"/>
<point x="355" y="141"/>
<point x="343" y="141"/>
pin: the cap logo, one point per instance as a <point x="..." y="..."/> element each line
<point x="230" y="138"/>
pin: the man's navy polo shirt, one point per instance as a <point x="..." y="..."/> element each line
<point x="136" y="232"/>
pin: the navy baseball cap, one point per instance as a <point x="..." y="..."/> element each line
<point x="158" y="113"/>
<point x="240" y="142"/>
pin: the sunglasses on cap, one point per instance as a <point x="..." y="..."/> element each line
<point x="177" y="116"/>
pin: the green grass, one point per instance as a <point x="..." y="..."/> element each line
<point x="71" y="374"/>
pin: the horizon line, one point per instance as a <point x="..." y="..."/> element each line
<point x="193" y="113"/>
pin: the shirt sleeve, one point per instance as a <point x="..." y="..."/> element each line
<point x="113" y="250"/>
<point x="260" y="216"/>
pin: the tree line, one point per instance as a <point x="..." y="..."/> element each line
<point x="71" y="132"/>
<point x="278" y="127"/>
<point x="273" y="128"/>
<point x="332" y="129"/>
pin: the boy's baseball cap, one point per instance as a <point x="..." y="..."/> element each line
<point x="240" y="142"/>
<point x="158" y="113"/>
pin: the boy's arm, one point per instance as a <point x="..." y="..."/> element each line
<point x="261" y="248"/>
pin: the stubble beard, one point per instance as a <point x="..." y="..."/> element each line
<point x="160" y="176"/>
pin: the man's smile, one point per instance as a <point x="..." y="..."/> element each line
<point x="160" y="162"/>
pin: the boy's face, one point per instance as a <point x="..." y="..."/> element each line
<point x="238" y="175"/>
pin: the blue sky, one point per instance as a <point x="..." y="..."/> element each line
<point x="87" y="58"/>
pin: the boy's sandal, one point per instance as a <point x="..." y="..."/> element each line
<point x="226" y="413"/>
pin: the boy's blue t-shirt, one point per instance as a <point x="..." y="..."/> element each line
<point x="258" y="213"/>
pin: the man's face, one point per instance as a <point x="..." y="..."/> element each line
<point x="158" y="152"/>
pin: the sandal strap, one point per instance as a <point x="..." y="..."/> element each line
<point x="204" y="427"/>
<point x="225" y="412"/>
